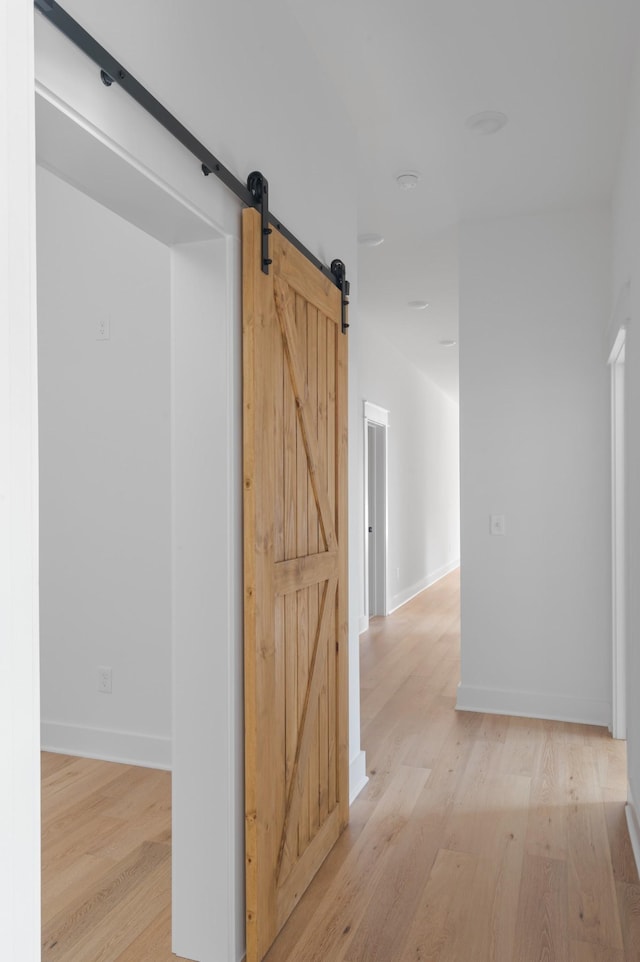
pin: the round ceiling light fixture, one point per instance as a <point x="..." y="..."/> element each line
<point x="408" y="180"/>
<point x="447" y="342"/>
<point x="418" y="305"/>
<point x="487" y="122"/>
<point x="370" y="240"/>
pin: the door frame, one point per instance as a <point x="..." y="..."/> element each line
<point x="206" y="858"/>
<point x="19" y="650"/>
<point x="376" y="415"/>
<point x="618" y="537"/>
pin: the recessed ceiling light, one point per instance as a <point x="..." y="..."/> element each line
<point x="370" y="240"/>
<point x="418" y="305"/>
<point x="446" y="342"/>
<point x="408" y="180"/>
<point x="488" y="122"/>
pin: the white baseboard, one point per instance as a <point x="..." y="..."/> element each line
<point x="129" y="748"/>
<point x="633" y="823"/>
<point x="529" y="704"/>
<point x="363" y="624"/>
<point x="407" y="594"/>
<point x="358" y="777"/>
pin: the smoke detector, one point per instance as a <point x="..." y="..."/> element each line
<point x="487" y="122"/>
<point x="408" y="180"/>
<point x="370" y="240"/>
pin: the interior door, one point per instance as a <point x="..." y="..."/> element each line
<point x="295" y="571"/>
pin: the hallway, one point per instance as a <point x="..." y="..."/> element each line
<point x="477" y="837"/>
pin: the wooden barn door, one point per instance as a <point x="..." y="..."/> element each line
<point x="295" y="591"/>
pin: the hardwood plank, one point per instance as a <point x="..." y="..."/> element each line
<point x="622" y="859"/>
<point x="588" y="952"/>
<point x="154" y="943"/>
<point x="437" y="929"/>
<point x="593" y="913"/>
<point x="547" y="834"/>
<point x="541" y="924"/>
<point x="52" y="762"/>
<point x="135" y="890"/>
<point x="628" y="897"/>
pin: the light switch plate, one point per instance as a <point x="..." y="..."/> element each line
<point x="497" y="524"/>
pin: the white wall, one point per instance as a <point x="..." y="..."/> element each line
<point x="19" y="700"/>
<point x="207" y="596"/>
<point x="534" y="401"/>
<point x="423" y="468"/>
<point x="105" y="521"/>
<point x="626" y="271"/>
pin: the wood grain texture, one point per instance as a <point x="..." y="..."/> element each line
<point x="105" y="895"/>
<point x="295" y="550"/>
<point x="514" y="827"/>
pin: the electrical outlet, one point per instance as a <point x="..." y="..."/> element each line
<point x="103" y="330"/>
<point x="104" y="680"/>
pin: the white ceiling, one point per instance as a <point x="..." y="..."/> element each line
<point x="410" y="72"/>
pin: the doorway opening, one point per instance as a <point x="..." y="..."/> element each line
<point x="140" y="371"/>
<point x="376" y="424"/>
<point x="618" y="527"/>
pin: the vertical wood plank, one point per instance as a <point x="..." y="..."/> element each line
<point x="332" y="701"/>
<point x="313" y="318"/>
<point x="250" y="427"/>
<point x="261" y="794"/>
<point x="342" y="615"/>
<point x="320" y="337"/>
<point x="305" y="631"/>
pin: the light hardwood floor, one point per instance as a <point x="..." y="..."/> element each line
<point x="106" y="862"/>
<point x="477" y="837"/>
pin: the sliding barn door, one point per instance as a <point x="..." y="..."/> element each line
<point x="295" y="563"/>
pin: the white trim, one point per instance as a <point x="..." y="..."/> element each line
<point x="633" y="824"/>
<point x="620" y="320"/>
<point x="19" y="647"/>
<point x="47" y="94"/>
<point x="358" y="777"/>
<point x="373" y="412"/>
<point x="618" y="537"/>
<point x="404" y="597"/>
<point x="528" y="704"/>
<point x="363" y="624"/>
<point x="128" y="748"/>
